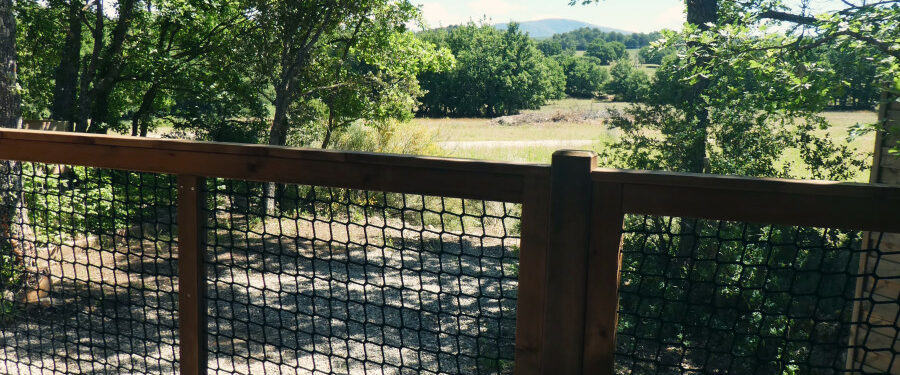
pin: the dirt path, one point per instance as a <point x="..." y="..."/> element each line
<point x="533" y="143"/>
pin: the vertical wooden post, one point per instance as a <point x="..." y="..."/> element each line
<point x="604" y="263"/>
<point x="568" y="239"/>
<point x="191" y="275"/>
<point x="532" y="276"/>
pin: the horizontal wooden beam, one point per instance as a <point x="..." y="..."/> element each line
<point x="460" y="178"/>
<point x="772" y="201"/>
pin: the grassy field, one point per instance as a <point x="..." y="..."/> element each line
<point x="536" y="142"/>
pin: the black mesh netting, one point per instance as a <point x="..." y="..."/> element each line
<point x="338" y="281"/>
<point x="347" y="281"/>
<point x="335" y="281"/>
<point x="87" y="271"/>
<point x="702" y="296"/>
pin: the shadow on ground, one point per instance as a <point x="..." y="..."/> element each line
<point x="372" y="301"/>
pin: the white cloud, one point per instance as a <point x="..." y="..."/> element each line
<point x="671" y="18"/>
<point x="438" y="15"/>
<point x="499" y="10"/>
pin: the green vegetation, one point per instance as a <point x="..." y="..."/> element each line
<point x="607" y="52"/>
<point x="628" y="83"/>
<point x="497" y="73"/>
<point x="581" y="38"/>
<point x="535" y="142"/>
<point x="585" y="78"/>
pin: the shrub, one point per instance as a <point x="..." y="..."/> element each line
<point x="628" y="83"/>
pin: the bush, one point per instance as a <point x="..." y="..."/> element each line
<point x="585" y="77"/>
<point x="393" y="137"/>
<point x="654" y="55"/>
<point x="607" y="52"/>
<point x="497" y="73"/>
<point x="91" y="200"/>
<point x="628" y="83"/>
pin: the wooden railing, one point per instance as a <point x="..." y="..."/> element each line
<point x="572" y="216"/>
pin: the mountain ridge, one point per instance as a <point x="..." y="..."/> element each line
<point x="545" y="28"/>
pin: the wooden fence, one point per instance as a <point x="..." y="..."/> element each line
<point x="885" y="170"/>
<point x="572" y="217"/>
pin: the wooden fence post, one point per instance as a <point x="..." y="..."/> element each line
<point x="604" y="263"/>
<point x="567" y="258"/>
<point x="532" y="277"/>
<point x="192" y="311"/>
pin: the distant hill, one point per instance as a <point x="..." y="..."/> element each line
<point x="546" y="28"/>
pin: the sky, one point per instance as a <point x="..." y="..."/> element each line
<point x="630" y="15"/>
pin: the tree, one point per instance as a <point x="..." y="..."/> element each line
<point x="17" y="253"/>
<point x="607" y="52"/>
<point x="598" y="49"/>
<point x="334" y="59"/>
<point x="104" y="66"/>
<point x="183" y="43"/>
<point x="585" y="77"/>
<point x="628" y="83"/>
<point x="732" y="100"/>
<point x="550" y="47"/>
<point x="855" y="76"/>
<point x="579" y="39"/>
<point x="497" y="73"/>
<point x="66" y="74"/>
<point x="10" y="102"/>
<point x="654" y="54"/>
<point x="729" y="71"/>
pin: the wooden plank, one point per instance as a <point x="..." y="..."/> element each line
<point x="882" y="313"/>
<point x="888" y="159"/>
<point x="889" y="176"/>
<point x="893" y="257"/>
<point x="876" y="212"/>
<point x="532" y="277"/>
<point x="745" y="184"/>
<point x="858" y="307"/>
<point x="879" y="338"/>
<point x="403" y="174"/>
<point x="777" y="201"/>
<point x="878" y="362"/>
<point x="192" y="312"/>
<point x="568" y="233"/>
<point x="604" y="262"/>
<point x="243" y="149"/>
<point x="884" y="288"/>
<point x="883" y="268"/>
<point x="889" y="242"/>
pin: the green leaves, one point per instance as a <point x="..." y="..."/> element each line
<point x="496" y="73"/>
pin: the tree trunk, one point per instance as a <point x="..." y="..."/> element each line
<point x="83" y="110"/>
<point x="16" y="237"/>
<point x="277" y="137"/>
<point x="104" y="71"/>
<point x="700" y="13"/>
<point x="10" y="101"/>
<point x="65" y="91"/>
<point x="139" y="121"/>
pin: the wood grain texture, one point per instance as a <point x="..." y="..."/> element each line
<point x="873" y="339"/>
<point x="776" y="201"/>
<point x="458" y="178"/>
<point x="532" y="295"/>
<point x="192" y="309"/>
<point x="568" y="232"/>
<point x="604" y="262"/>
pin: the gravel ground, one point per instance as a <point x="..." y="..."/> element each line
<point x="325" y="298"/>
